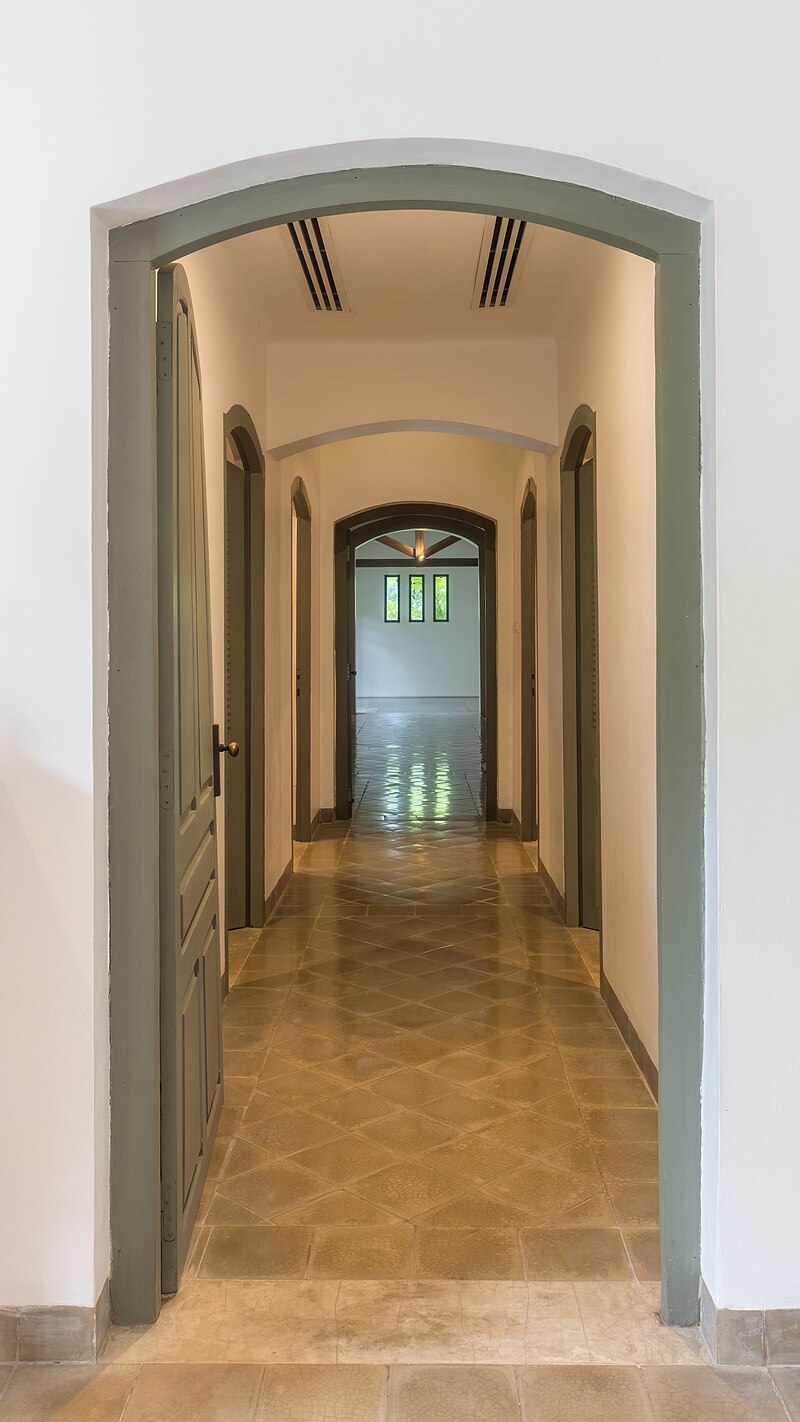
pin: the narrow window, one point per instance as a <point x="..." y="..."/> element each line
<point x="416" y="597"/>
<point x="391" y="597"/>
<point x="441" y="597"/>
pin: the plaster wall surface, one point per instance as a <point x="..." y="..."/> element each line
<point x="606" y="360"/>
<point x="418" y="659"/>
<point x="484" y="382"/>
<point x="707" y="127"/>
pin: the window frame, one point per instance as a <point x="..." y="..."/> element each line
<point x="394" y="577"/>
<point x="446" y="577"/>
<point x="416" y="621"/>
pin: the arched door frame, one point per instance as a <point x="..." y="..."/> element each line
<point x="581" y="432"/>
<point x="238" y="427"/>
<point x="301" y="592"/>
<point x="372" y="523"/>
<point x="529" y="690"/>
<point x="136" y="250"/>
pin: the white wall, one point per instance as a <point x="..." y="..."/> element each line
<point x="606" y="360"/>
<point x="698" y="112"/>
<point x="424" y="658"/>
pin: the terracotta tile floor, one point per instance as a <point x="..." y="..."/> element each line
<point x="434" y="1192"/>
<point x="422" y="1080"/>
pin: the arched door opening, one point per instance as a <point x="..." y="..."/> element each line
<point x="244" y="673"/>
<point x="301" y="663"/>
<point x="419" y="742"/>
<point x="581" y="692"/>
<point x="378" y="522"/>
<point x="529" y="724"/>
<point x="672" y="244"/>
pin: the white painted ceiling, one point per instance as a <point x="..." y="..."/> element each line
<point x="405" y="274"/>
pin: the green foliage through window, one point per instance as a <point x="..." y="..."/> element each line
<point x="441" y="597"/>
<point x="391" y="597"/>
<point x="416" y="598"/>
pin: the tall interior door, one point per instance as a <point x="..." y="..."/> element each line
<point x="528" y="690"/>
<point x="301" y="657"/>
<point x="352" y="682"/>
<point x="588" y="697"/>
<point x="237" y="640"/>
<point x="191" y="1035"/>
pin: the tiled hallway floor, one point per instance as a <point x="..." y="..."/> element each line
<point x="434" y="1190"/>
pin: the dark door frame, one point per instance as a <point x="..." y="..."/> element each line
<point x="372" y="523"/>
<point x="581" y="431"/>
<point x="301" y="592"/>
<point x="529" y="690"/>
<point x="136" y="251"/>
<point x="238" y="427"/>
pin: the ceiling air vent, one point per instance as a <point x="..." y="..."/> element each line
<point x="310" y="243"/>
<point x="503" y="251"/>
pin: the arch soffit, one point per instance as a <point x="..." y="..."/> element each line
<point x="239" y="427"/>
<point x="300" y="500"/>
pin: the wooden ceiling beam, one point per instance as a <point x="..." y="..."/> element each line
<point x="396" y="545"/>
<point x="441" y="545"/>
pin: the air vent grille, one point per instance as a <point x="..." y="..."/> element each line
<point x="503" y="251"/>
<point x="311" y="244"/>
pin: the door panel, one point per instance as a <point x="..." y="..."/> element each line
<point x="191" y="1057"/>
<point x="237" y="849"/>
<point x="588" y="697"/>
<point x="352" y="682"/>
<point x="528" y="629"/>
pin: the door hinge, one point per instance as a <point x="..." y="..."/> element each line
<point x="166" y="780"/>
<point x="164" y="349"/>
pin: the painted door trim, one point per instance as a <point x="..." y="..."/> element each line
<point x="135" y="251"/>
<point x="529" y="645"/>
<point x="239" y="427"/>
<point x="301" y="829"/>
<point x="581" y="430"/>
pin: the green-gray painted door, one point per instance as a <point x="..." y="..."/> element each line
<point x="588" y="699"/>
<point x="237" y="845"/>
<point x="191" y="1037"/>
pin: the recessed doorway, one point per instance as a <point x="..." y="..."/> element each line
<point x="244" y="674"/>
<point x="581" y="689"/>
<point x="301" y="660"/>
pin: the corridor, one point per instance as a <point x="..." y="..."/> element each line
<point x="435" y="1151"/>
<point x="422" y="1079"/>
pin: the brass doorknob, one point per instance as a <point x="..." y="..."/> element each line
<point x="232" y="748"/>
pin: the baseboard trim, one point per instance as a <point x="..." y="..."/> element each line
<point x="755" y="1337"/>
<point x="631" y="1037"/>
<point x="556" y="896"/>
<point x="62" y="1333"/>
<point x="271" y="901"/>
<point x="505" y="817"/>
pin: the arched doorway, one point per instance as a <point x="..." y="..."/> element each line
<point x="244" y="672"/>
<point x="301" y="662"/>
<point x="136" y="250"/>
<point x="373" y="523"/>
<point x="580" y="661"/>
<point x="529" y="768"/>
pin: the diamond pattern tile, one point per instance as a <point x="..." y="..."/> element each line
<point x="422" y="1080"/>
